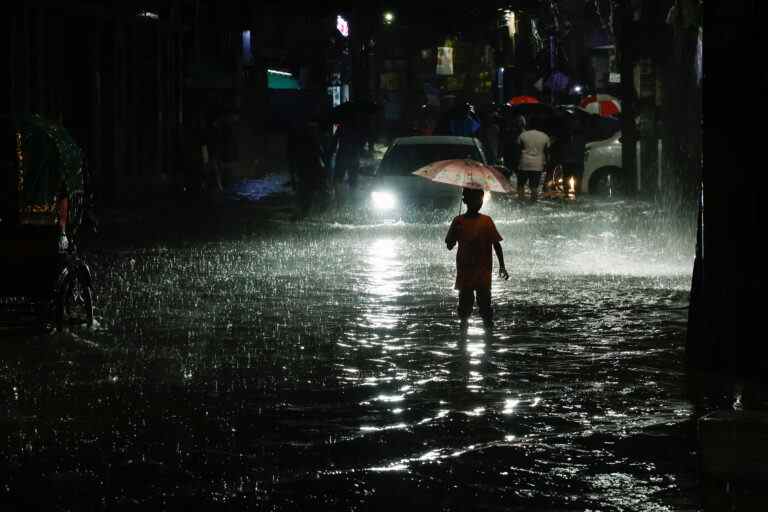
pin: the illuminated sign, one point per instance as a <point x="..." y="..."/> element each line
<point x="342" y="26"/>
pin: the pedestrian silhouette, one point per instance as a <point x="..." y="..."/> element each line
<point x="534" y="154"/>
<point x="510" y="148"/>
<point x="307" y="165"/>
<point x="350" y="139"/>
<point x="476" y="234"/>
<point x="489" y="135"/>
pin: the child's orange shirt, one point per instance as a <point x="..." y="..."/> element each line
<point x="474" y="258"/>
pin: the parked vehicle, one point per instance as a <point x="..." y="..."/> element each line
<point x="603" y="173"/>
<point x="395" y="186"/>
<point x="42" y="203"/>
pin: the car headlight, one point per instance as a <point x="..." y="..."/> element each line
<point x="383" y="200"/>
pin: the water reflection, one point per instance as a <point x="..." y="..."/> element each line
<point x="384" y="272"/>
<point x="308" y="364"/>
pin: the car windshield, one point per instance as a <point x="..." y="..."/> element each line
<point x="403" y="159"/>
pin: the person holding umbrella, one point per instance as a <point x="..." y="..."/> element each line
<point x="475" y="234"/>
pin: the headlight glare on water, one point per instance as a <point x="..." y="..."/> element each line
<point x="383" y="200"/>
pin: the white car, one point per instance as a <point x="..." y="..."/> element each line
<point x="395" y="186"/>
<point x="603" y="174"/>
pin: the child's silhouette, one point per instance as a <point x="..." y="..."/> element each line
<point x="476" y="234"/>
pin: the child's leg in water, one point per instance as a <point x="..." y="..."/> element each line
<point x="466" y="303"/>
<point x="484" y="305"/>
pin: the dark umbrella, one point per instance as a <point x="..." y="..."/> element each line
<point x="528" y="110"/>
<point x="290" y="110"/>
<point x="550" y="119"/>
<point x="354" y="111"/>
<point x="595" y="126"/>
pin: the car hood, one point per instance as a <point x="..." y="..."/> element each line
<point x="415" y="186"/>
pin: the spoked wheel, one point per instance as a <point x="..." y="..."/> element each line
<point x="74" y="306"/>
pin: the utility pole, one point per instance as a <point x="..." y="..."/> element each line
<point x="625" y="41"/>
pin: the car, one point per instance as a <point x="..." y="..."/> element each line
<point x="603" y="174"/>
<point x="394" y="185"/>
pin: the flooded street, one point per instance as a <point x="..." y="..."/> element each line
<point x="276" y="365"/>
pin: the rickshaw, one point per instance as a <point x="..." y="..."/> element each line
<point x="42" y="206"/>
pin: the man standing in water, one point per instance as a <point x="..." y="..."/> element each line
<point x="534" y="153"/>
<point x="476" y="234"/>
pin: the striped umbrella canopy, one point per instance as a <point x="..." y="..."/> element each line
<point x="466" y="173"/>
<point x="601" y="104"/>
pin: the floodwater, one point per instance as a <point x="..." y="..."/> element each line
<point x="318" y="365"/>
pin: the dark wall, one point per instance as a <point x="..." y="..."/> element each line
<point x="732" y="312"/>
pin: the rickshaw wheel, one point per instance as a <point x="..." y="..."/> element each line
<point x="74" y="306"/>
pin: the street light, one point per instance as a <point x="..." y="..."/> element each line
<point x="389" y="17"/>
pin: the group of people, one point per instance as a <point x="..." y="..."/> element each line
<point x="524" y="147"/>
<point x="325" y="159"/>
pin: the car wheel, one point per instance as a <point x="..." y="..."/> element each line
<point x="607" y="182"/>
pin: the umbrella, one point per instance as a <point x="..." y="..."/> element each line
<point x="353" y="111"/>
<point x="595" y="126"/>
<point x="51" y="162"/>
<point x="602" y="104"/>
<point x="528" y="110"/>
<point x="520" y="100"/>
<point x="465" y="173"/>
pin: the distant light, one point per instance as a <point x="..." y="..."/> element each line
<point x="342" y="26"/>
<point x="577" y="89"/>
<point x="246" y="42"/>
<point x="276" y="72"/>
<point x="389" y="17"/>
<point x="149" y="14"/>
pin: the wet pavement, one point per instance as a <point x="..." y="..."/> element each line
<point x="244" y="361"/>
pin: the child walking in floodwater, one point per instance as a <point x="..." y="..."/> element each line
<point x="476" y="234"/>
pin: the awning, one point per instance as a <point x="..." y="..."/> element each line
<point x="281" y="80"/>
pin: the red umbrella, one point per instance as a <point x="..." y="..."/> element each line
<point x="602" y="104"/>
<point x="519" y="100"/>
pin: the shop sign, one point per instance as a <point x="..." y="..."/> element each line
<point x="342" y="26"/>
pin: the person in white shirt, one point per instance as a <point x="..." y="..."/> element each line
<point x="534" y="153"/>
